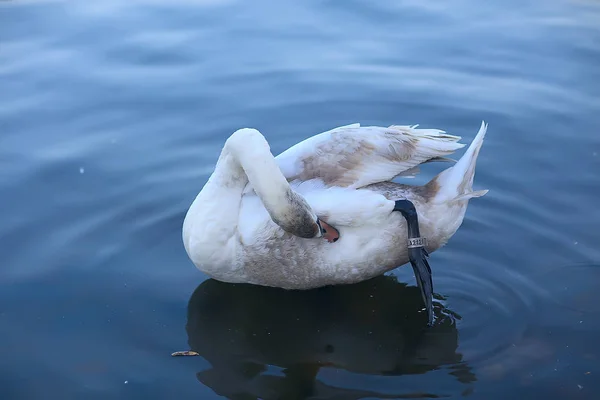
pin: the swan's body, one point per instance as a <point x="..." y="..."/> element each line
<point x="255" y="220"/>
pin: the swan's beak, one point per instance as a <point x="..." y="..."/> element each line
<point x="328" y="232"/>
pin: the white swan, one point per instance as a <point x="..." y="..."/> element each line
<point x="275" y="221"/>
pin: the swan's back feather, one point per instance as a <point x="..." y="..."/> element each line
<point x="354" y="156"/>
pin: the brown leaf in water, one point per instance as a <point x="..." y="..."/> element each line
<point x="184" y="353"/>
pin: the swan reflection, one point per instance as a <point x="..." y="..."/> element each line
<point x="271" y="343"/>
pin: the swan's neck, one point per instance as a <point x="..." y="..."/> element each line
<point x="265" y="178"/>
<point x="287" y="208"/>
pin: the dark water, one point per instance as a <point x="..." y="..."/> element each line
<point x="112" y="114"/>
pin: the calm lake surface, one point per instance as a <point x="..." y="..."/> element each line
<point x="113" y="113"/>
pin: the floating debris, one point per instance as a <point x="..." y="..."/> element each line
<point x="184" y="353"/>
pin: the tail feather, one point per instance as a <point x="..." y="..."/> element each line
<point x="470" y="195"/>
<point x="456" y="182"/>
<point x="429" y="144"/>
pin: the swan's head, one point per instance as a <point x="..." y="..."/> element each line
<point x="300" y="220"/>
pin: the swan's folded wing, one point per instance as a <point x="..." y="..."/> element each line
<point x="355" y="156"/>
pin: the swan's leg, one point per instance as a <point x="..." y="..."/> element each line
<point x="417" y="254"/>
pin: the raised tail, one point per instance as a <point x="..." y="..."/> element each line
<point x="456" y="182"/>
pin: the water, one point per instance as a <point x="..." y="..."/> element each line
<point x="112" y="115"/>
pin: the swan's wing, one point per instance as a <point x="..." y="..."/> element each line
<point x="355" y="156"/>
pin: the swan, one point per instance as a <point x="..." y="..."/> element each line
<point x="325" y="211"/>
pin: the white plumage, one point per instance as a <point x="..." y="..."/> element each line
<point x="256" y="219"/>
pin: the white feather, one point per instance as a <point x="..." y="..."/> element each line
<point x="242" y="225"/>
<point x="355" y="156"/>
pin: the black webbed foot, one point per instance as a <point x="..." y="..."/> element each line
<point x="418" y="260"/>
<point x="418" y="255"/>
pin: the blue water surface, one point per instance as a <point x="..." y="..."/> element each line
<point x="113" y="113"/>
